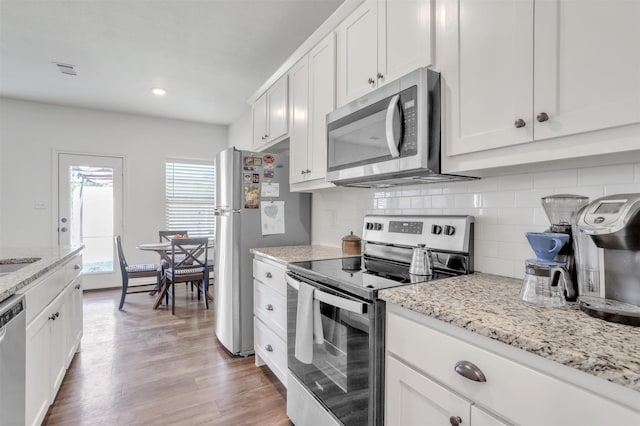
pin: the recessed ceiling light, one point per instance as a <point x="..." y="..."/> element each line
<point x="158" y="91"/>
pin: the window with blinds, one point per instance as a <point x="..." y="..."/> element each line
<point x="190" y="197"/>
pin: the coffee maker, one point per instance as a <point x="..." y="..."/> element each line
<point x="608" y="258"/>
<point x="562" y="211"/>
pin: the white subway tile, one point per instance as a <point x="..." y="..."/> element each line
<point x="411" y="192"/>
<point x="468" y="200"/>
<point x="495" y="266"/>
<point x="486" y="248"/>
<point x="515" y="216"/>
<point x="540" y="219"/>
<point x="443" y="201"/>
<point x="487" y="232"/>
<point x="383" y="203"/>
<point x="420" y="202"/>
<point x="523" y="181"/>
<point x="454" y="187"/>
<point x="498" y="199"/>
<point x="404" y="202"/>
<point x="379" y="194"/>
<point x="485" y="216"/>
<point x="620" y="173"/>
<point x="637" y="173"/>
<point x="432" y="189"/>
<point x="555" y="178"/>
<point x="593" y="192"/>
<point x="621" y="188"/>
<point x="483" y="185"/>
<point x="531" y="197"/>
<point x="453" y="211"/>
<point x="434" y="211"/>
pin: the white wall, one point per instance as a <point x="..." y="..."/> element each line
<point x="240" y="131"/>
<point x="505" y="207"/>
<point x="30" y="133"/>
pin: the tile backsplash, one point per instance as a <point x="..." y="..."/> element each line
<point x="505" y="207"/>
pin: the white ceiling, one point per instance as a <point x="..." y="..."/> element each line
<point x="209" y="55"/>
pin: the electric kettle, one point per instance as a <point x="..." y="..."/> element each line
<point x="421" y="262"/>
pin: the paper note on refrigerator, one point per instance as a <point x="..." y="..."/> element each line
<point x="270" y="189"/>
<point x="272" y="216"/>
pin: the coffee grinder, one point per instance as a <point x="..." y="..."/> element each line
<point x="562" y="211"/>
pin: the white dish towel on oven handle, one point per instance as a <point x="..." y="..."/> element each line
<point x="308" y="323"/>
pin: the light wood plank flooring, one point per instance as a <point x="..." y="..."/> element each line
<point x="144" y="367"/>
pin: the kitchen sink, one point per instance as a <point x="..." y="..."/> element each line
<point x="8" y="266"/>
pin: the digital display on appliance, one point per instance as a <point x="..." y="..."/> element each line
<point x="609" y="208"/>
<point x="409" y="104"/>
<point x="405" y="227"/>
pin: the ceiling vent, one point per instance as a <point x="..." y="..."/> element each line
<point x="66" y="68"/>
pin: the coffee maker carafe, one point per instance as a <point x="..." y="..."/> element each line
<point x="609" y="258"/>
<point x="562" y="211"/>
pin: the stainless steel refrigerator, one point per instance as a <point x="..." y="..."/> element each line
<point x="250" y="191"/>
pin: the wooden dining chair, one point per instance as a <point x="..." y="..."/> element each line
<point x="134" y="271"/>
<point x="189" y="264"/>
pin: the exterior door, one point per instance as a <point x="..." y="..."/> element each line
<point x="90" y="213"/>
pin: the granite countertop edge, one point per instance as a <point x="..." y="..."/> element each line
<point x="489" y="305"/>
<point x="298" y="253"/>
<point x="11" y="283"/>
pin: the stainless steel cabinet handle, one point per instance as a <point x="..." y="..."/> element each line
<point x="76" y="267"/>
<point x="78" y="287"/>
<point x="519" y="123"/>
<point x="269" y="348"/>
<point x="542" y="117"/>
<point x="307" y="171"/>
<point x="380" y="76"/>
<point x="63" y="229"/>
<point x="470" y="371"/>
<point x="269" y="307"/>
<point x="268" y="275"/>
<point x="302" y="172"/>
<point x="57" y="314"/>
<point x="63" y="220"/>
<point x="371" y="81"/>
<point x="455" y="420"/>
<point x="52" y="317"/>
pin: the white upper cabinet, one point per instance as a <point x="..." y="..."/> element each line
<point x="379" y="42"/>
<point x="530" y="70"/>
<point x="270" y="115"/>
<point x="299" y="132"/>
<point x="312" y="87"/>
<point x="587" y="65"/>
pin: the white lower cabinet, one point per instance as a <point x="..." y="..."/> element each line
<point x="423" y="385"/>
<point x="52" y="336"/>
<point x="270" y="316"/>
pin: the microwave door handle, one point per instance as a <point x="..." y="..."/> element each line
<point x="392" y="110"/>
<point x="330" y="299"/>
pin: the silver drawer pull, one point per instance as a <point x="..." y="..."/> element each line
<point x="269" y="348"/>
<point x="455" y="420"/>
<point x="470" y="371"/>
<point x="268" y="275"/>
<point x="269" y="307"/>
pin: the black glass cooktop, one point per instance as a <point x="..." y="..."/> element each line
<point x="360" y="275"/>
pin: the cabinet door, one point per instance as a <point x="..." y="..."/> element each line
<point x="38" y="392"/>
<point x="58" y="342"/>
<point x="587" y="65"/>
<point x="299" y="132"/>
<point x="488" y="64"/>
<point x="479" y="417"/>
<point x="277" y="100"/>
<point x="322" y="82"/>
<point x="357" y="52"/>
<point x="72" y="319"/>
<point x="259" y="118"/>
<point x="404" y="37"/>
<point x="414" y="399"/>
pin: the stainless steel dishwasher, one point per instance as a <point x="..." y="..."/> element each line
<point x="12" y="361"/>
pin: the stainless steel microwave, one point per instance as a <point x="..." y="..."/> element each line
<point x="390" y="136"/>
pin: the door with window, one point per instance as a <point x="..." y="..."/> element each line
<point x="90" y="213"/>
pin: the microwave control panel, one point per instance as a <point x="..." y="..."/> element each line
<point x="409" y="107"/>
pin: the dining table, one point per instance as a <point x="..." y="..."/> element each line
<point x="164" y="250"/>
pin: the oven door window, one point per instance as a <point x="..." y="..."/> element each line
<point x="360" y="138"/>
<point x="339" y="372"/>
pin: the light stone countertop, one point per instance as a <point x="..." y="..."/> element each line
<point x="288" y="254"/>
<point x="490" y="306"/>
<point x="49" y="259"/>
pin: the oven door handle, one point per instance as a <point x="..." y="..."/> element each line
<point x="332" y="300"/>
<point x="392" y="111"/>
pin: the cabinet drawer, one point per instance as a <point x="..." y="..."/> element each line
<point x="271" y="307"/>
<point x="271" y="348"/>
<point x="271" y="275"/>
<point x="510" y="387"/>
<point x="73" y="268"/>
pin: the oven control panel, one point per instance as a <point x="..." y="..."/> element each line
<point x="447" y="233"/>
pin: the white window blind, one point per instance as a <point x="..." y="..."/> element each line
<point x="190" y="197"/>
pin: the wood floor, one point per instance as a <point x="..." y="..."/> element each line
<point x="144" y="367"/>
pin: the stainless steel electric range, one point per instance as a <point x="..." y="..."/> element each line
<point x="336" y="376"/>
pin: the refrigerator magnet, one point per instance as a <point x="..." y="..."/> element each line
<point x="257" y="161"/>
<point x="268" y="174"/>
<point x="248" y="161"/>
<point x="247" y="177"/>
<point x="256" y="178"/>
<point x="268" y="159"/>
<point x="251" y="197"/>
